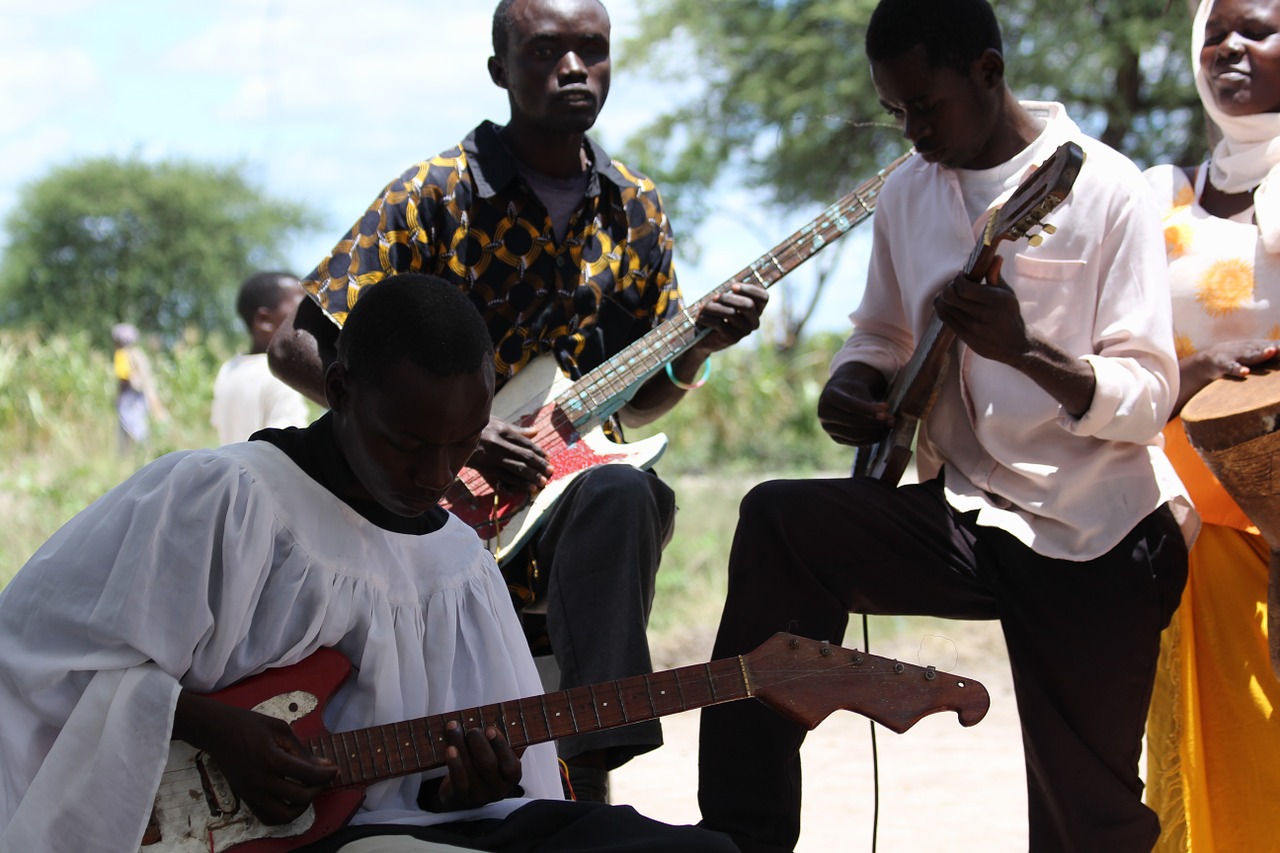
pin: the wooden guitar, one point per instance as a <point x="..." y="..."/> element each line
<point x="914" y="389"/>
<point x="569" y="415"/>
<point x="804" y="680"/>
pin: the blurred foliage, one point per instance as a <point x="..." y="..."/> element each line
<point x="59" y="449"/>
<point x="757" y="412"/>
<point x="784" y="100"/>
<point x="161" y="245"/>
<point x="59" y="452"/>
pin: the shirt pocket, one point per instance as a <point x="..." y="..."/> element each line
<point x="1052" y="294"/>
<point x="1050" y="269"/>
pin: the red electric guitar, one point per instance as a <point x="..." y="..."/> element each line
<point x="913" y="391"/>
<point x="569" y="414"/>
<point x="804" y="680"/>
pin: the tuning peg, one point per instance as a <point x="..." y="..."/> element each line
<point x="1049" y="229"/>
<point x="1035" y="239"/>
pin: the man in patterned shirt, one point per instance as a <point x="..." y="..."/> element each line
<point x="564" y="252"/>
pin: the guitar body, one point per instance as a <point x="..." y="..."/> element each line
<point x="505" y="518"/>
<point x="195" y="810"/>
<point x="887" y="459"/>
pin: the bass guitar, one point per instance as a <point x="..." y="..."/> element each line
<point x="569" y="415"/>
<point x="914" y="389"/>
<point x="804" y="680"/>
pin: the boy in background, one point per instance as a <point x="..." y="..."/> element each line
<point x="246" y="396"/>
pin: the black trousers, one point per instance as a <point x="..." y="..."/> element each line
<point x="600" y="547"/>
<point x="1083" y="638"/>
<point x="549" y="826"/>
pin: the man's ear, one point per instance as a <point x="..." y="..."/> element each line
<point x="989" y="68"/>
<point x="336" y="387"/>
<point x="497" y="72"/>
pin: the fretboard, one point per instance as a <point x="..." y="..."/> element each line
<point x="368" y="755"/>
<point x="605" y="389"/>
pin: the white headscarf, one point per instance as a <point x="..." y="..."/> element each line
<point x="1249" y="153"/>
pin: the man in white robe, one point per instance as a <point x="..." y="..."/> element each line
<point x="209" y="566"/>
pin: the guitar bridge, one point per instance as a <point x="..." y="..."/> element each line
<point x="221" y="800"/>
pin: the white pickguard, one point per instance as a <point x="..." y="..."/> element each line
<point x="189" y="823"/>
<point x="540" y="382"/>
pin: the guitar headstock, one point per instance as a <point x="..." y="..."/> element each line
<point x="1042" y="191"/>
<point x="806" y="680"/>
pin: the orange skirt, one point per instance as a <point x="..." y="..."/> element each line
<point x="1213" y="735"/>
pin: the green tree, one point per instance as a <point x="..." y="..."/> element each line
<point x="162" y="245"/>
<point x="784" y="101"/>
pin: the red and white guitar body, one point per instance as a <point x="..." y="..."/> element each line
<point x="506" y="518"/>
<point x="196" y="811"/>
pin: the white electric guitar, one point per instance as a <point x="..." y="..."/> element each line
<point x="569" y="415"/>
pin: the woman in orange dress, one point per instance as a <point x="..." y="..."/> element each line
<point x="1213" y="738"/>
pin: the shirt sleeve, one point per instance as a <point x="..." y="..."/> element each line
<point x="1134" y="362"/>
<point x="882" y="336"/>
<point x="395" y="235"/>
<point x="99" y="630"/>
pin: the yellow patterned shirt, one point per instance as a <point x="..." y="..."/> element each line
<point x="467" y="216"/>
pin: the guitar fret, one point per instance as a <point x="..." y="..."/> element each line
<point x="372" y="752"/>
<point x="648" y="690"/>
<point x="572" y="716"/>
<point x="595" y="704"/>
<point x="711" y="682"/>
<point x="546" y="718"/>
<point x="409" y="743"/>
<point x="622" y="705"/>
<point x="353" y="757"/>
<point x="391" y="759"/>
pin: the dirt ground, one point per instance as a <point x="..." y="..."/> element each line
<point x="942" y="786"/>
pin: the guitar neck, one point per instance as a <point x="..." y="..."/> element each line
<point x="369" y="755"/>
<point x="906" y="393"/>
<point x="605" y="389"/>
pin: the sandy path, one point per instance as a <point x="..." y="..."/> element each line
<point x="942" y="786"/>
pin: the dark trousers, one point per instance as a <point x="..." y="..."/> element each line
<point x="600" y="547"/>
<point x="1083" y="638"/>
<point x="548" y="826"/>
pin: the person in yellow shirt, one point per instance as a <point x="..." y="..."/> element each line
<point x="136" y="398"/>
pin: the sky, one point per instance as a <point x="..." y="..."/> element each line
<point x="322" y="102"/>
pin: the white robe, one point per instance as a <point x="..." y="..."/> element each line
<point x="206" y="567"/>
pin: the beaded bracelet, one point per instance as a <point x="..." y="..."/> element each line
<point x="686" y="386"/>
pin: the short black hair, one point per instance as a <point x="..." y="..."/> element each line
<point x="261" y="290"/>
<point x="504" y="23"/>
<point x="417" y="318"/>
<point x="954" y="33"/>
<point x="502" y="26"/>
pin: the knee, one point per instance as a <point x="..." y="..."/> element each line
<point x="767" y="503"/>
<point x="633" y="490"/>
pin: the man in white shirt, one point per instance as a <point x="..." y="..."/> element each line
<point x="209" y="566"/>
<point x="247" y="396"/>
<point x="1044" y="500"/>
